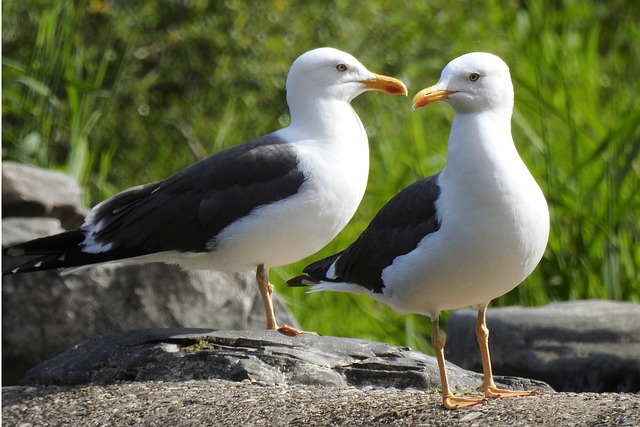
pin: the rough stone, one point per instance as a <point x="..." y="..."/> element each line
<point x="28" y="191"/>
<point x="266" y="357"/>
<point x="225" y="403"/>
<point x="18" y="230"/>
<point x="574" y="346"/>
<point x="44" y="313"/>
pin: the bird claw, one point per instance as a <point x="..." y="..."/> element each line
<point x="497" y="393"/>
<point x="292" y="332"/>
<point x="454" y="402"/>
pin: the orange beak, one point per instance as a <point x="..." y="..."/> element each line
<point x="386" y="84"/>
<point x="429" y="95"/>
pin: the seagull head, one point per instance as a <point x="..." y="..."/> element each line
<point x="331" y="74"/>
<point x="471" y="83"/>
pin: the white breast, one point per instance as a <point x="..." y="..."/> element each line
<point x="336" y="171"/>
<point x="494" y="229"/>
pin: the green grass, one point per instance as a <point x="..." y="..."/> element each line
<point x="122" y="93"/>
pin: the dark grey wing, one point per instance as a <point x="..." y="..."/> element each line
<point x="181" y="213"/>
<point x="187" y="210"/>
<point x="395" y="230"/>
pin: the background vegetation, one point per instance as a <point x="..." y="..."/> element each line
<point x="120" y="93"/>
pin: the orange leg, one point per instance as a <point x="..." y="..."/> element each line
<point x="488" y="385"/>
<point x="448" y="399"/>
<point x="266" y="290"/>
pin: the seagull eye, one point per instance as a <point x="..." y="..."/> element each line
<point x="341" y="67"/>
<point x="473" y="77"/>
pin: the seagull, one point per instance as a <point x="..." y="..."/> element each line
<point x="266" y="203"/>
<point x="462" y="237"/>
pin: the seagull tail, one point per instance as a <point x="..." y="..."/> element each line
<point x="316" y="273"/>
<point x="321" y="276"/>
<point x="322" y="285"/>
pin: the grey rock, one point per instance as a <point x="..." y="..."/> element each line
<point x="226" y="403"/>
<point x="28" y="191"/>
<point x="266" y="357"/>
<point x="44" y="313"/>
<point x="18" y="230"/>
<point x="574" y="346"/>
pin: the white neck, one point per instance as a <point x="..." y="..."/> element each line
<point x="481" y="148"/>
<point x="326" y="119"/>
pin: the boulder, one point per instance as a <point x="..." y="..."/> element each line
<point x="574" y="346"/>
<point x="28" y="191"/>
<point x="44" y="313"/>
<point x="267" y="357"/>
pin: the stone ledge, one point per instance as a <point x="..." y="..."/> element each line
<point x="267" y="357"/>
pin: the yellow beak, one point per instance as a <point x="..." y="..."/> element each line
<point x="429" y="95"/>
<point x="386" y="84"/>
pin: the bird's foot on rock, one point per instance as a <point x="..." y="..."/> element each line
<point x="288" y="330"/>
<point x="455" y="402"/>
<point x="494" y="392"/>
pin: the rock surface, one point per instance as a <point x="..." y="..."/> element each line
<point x="574" y="346"/>
<point x="268" y="357"/>
<point x="224" y="403"/>
<point x="28" y="191"/>
<point x="45" y="314"/>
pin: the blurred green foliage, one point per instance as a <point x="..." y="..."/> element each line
<point x="119" y="93"/>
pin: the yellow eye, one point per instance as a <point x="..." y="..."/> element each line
<point x="341" y="67"/>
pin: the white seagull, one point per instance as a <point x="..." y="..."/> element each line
<point x="459" y="238"/>
<point x="266" y="203"/>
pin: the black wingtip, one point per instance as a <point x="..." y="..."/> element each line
<point x="12" y="251"/>
<point x="14" y="270"/>
<point x="300" y="281"/>
<point x="9" y="271"/>
<point x="49" y="262"/>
